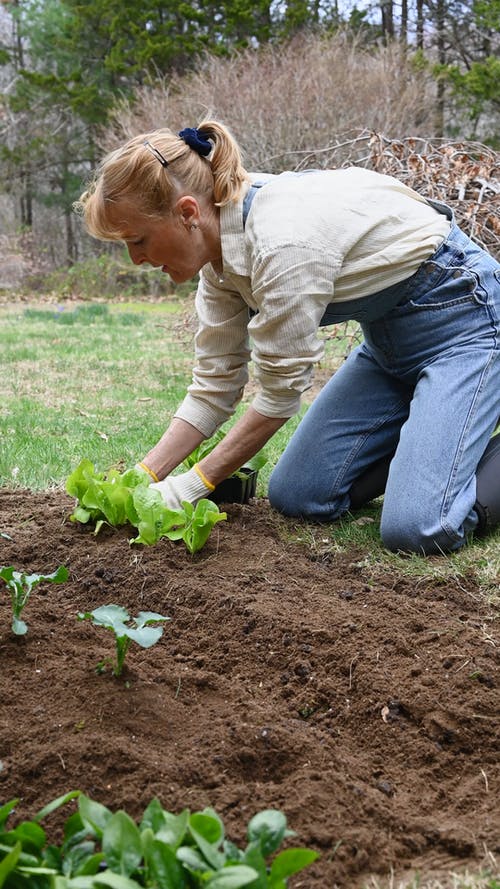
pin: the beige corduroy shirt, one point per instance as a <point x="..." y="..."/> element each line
<point x="310" y="240"/>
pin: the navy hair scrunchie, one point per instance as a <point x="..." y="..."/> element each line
<point x="195" y="140"/>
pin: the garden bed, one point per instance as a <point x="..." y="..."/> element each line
<point x="364" y="705"/>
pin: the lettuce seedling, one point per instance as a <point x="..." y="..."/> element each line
<point x="117" y="498"/>
<point x="103" y="497"/>
<point x="117" y="619"/>
<point x="200" y="520"/>
<point x="154" y="520"/>
<point x="20" y="586"/>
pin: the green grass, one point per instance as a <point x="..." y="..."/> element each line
<point x="88" y="381"/>
<point x="98" y="381"/>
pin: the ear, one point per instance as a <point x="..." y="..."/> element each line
<point x="189" y="210"/>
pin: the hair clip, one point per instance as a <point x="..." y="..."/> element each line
<point x="158" y="155"/>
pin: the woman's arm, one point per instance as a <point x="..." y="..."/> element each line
<point x="243" y="440"/>
<point x="246" y="437"/>
<point x="175" y="444"/>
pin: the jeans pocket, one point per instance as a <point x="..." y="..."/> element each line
<point x="440" y="286"/>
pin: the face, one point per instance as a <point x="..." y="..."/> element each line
<point x="171" y="243"/>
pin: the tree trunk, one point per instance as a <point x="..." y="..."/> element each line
<point x="386" y="8"/>
<point x="71" y="246"/>
<point x="420" y="24"/>
<point x="26" y="199"/>
<point x="441" y="52"/>
<point x="404" y="22"/>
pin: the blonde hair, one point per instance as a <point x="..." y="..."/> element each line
<point x="133" y="173"/>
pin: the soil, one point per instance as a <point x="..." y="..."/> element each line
<point x="292" y="675"/>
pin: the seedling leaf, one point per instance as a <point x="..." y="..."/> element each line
<point x="31" y="835"/>
<point x="269" y="829"/>
<point x="6" y="809"/>
<point x="207" y="832"/>
<point x="8" y="864"/>
<point x="147" y="636"/>
<point x="155" y="520"/>
<point x="107" y="879"/>
<point x="93" y="814"/>
<point x="116" y="618"/>
<point x="200" y="521"/>
<point x="289" y="862"/>
<point x="192" y="859"/>
<point x="232" y="877"/>
<point x="121" y="844"/>
<point x="56" y="804"/>
<point x="20" y="586"/>
<point x="164" y="866"/>
<point x="173" y="828"/>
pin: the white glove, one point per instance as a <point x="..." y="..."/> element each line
<point x="188" y="486"/>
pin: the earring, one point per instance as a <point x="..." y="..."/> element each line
<point x="193" y="226"/>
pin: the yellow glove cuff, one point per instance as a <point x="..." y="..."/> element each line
<point x="203" y="477"/>
<point x="149" y="472"/>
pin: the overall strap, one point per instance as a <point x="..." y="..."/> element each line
<point x="247" y="200"/>
<point x="247" y="203"/>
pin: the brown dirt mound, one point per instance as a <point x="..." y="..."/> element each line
<point x="365" y="707"/>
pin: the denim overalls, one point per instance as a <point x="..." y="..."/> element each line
<point x="424" y="386"/>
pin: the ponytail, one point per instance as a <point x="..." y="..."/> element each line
<point x="227" y="168"/>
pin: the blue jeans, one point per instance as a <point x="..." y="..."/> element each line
<point x="424" y="386"/>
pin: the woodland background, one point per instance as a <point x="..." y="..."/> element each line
<point x="300" y="83"/>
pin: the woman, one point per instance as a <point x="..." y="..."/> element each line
<point x="412" y="409"/>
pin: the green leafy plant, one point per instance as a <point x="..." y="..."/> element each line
<point x="101" y="848"/>
<point x="103" y="497"/>
<point x="126" y="629"/>
<point x="117" y="498"/>
<point x="154" y="520"/>
<point x="20" y="586"/>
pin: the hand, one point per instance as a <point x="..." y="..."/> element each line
<point x="188" y="486"/>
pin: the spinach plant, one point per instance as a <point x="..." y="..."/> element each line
<point x="20" y="586"/>
<point x="117" y="498"/>
<point x="101" y="848"/>
<point x="126" y="629"/>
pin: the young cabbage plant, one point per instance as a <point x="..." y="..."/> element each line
<point x="20" y="586"/>
<point x="126" y="629"/>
